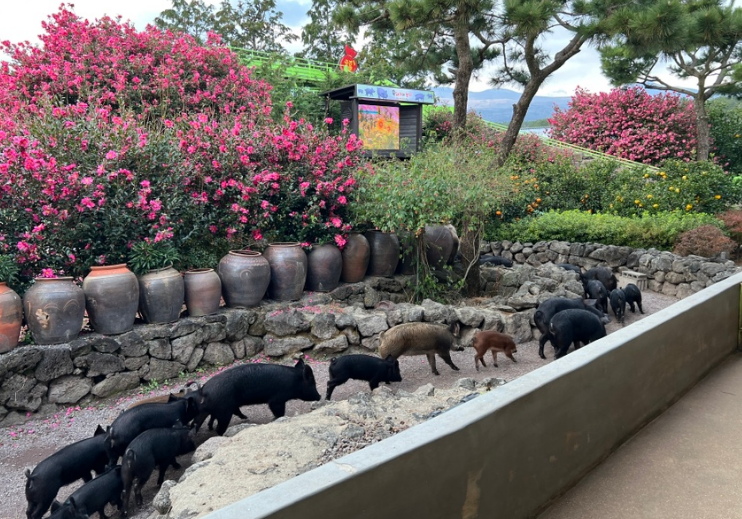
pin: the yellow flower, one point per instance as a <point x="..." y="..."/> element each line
<point x="637" y="202"/>
<point x="677" y="190"/>
<point x="671" y="188"/>
<point x="688" y="207"/>
<point x="685" y="177"/>
<point x="646" y="175"/>
<point x="655" y="205"/>
<point x="717" y="197"/>
<point x="649" y="196"/>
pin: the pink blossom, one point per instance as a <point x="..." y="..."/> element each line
<point x="111" y="155"/>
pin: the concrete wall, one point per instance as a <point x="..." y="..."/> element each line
<point x="508" y="453"/>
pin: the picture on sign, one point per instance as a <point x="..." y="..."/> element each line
<point x="378" y="127"/>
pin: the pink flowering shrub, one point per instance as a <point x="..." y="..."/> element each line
<point x="630" y="124"/>
<point x="93" y="161"/>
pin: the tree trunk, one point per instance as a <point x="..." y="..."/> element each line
<point x="519" y="114"/>
<point x="463" y="71"/>
<point x="469" y="248"/>
<point x="702" y="127"/>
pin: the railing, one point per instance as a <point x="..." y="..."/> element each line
<point x="300" y="68"/>
<point x="579" y="149"/>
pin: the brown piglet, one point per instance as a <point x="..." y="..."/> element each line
<point x="491" y="340"/>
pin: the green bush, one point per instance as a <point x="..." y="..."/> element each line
<point x="658" y="230"/>
<point x="725" y="116"/>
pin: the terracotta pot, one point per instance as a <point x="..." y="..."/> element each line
<point x="111" y="298"/>
<point x="324" y="266"/>
<point x="11" y="318"/>
<point x="356" y="254"/>
<point x="245" y="275"/>
<point x="439" y="245"/>
<point x="54" y="309"/>
<point x="288" y="263"/>
<point x="384" y="253"/>
<point x="203" y="291"/>
<point x="161" y="295"/>
<point x="408" y="251"/>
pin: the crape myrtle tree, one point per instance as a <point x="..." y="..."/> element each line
<point x="253" y="25"/>
<point x="429" y="37"/>
<point x="698" y="40"/>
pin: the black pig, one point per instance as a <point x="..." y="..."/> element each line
<point x="547" y="309"/>
<point x="569" y="266"/>
<point x="362" y="367"/>
<point x="596" y="290"/>
<point x="602" y="274"/>
<point x="69" y="511"/>
<point x="574" y="326"/>
<point x="250" y="384"/>
<point x="73" y="462"/>
<point x="153" y="448"/>
<point x="618" y="304"/>
<point x="94" y="495"/>
<point x="495" y="260"/>
<point x="633" y="295"/>
<point x="132" y="422"/>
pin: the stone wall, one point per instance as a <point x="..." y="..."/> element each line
<point x="668" y="273"/>
<point x="37" y="378"/>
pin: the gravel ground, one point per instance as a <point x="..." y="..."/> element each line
<point x="25" y="445"/>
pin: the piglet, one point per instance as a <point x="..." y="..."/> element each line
<point x="494" y="341"/>
<point x="153" y="448"/>
<point x="618" y="304"/>
<point x="94" y="495"/>
<point x="362" y="367"/>
<point x="633" y="295"/>
<point x="73" y="462"/>
<point x="132" y="422"/>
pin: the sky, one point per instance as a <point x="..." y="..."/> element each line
<point x="21" y="21"/>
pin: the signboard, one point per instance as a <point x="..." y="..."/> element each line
<point x="384" y="93"/>
<point x="378" y="127"/>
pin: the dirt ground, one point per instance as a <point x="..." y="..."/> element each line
<point x="25" y="445"/>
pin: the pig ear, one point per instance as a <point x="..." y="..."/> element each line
<point x="299" y="363"/>
<point x="389" y="358"/>
<point x="99" y="430"/>
<point x="56" y="505"/>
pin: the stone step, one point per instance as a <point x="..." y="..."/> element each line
<point x="631" y="276"/>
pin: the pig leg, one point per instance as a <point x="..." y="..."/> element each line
<point x="477" y="359"/>
<point x="332" y="384"/>
<point x="223" y="418"/>
<point x="431" y="361"/>
<point x="278" y="408"/>
<point x="494" y="357"/>
<point x="163" y="468"/>
<point x="239" y="414"/>
<point x="446" y="356"/>
<point x="542" y="341"/>
<point x="510" y="356"/>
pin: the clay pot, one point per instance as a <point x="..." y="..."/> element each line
<point x="203" y="291"/>
<point x="356" y="254"/>
<point x="324" y="266"/>
<point x="54" y="309"/>
<point x="439" y="245"/>
<point x="11" y="318"/>
<point x="111" y="298"/>
<point x="384" y="253"/>
<point x="245" y="275"/>
<point x="408" y="251"/>
<point x="288" y="263"/>
<point x="161" y="295"/>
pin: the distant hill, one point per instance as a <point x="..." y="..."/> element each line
<point x="496" y="105"/>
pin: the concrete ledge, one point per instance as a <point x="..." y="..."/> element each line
<point x="510" y="452"/>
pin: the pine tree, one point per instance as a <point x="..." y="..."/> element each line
<point x="700" y="40"/>
<point x="192" y="17"/>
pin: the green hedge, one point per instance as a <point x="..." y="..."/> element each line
<point x="658" y="230"/>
